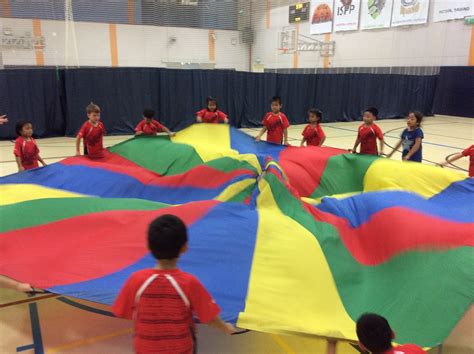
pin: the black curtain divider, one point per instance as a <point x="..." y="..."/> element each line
<point x="455" y="92"/>
<point x="55" y="100"/>
<point x="35" y="96"/>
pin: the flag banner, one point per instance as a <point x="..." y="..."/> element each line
<point x="375" y="14"/>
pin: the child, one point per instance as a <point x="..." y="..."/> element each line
<point x="26" y="151"/>
<point x="162" y="300"/>
<point x="149" y="126"/>
<point x="375" y="336"/>
<point x="468" y="152"/>
<point x="211" y="114"/>
<point x="275" y="124"/>
<point x="313" y="134"/>
<point x="411" y="139"/>
<point x="92" y="132"/>
<point x="8" y="283"/>
<point x="368" y="134"/>
<point x="3" y="119"/>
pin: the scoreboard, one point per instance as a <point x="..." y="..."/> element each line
<point x="299" y="12"/>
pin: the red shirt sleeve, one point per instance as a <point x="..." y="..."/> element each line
<point x="102" y="126"/>
<point x="17" y="150"/>
<point x="124" y="305"/>
<point x="467" y="152"/>
<point x="222" y="116"/>
<point x="202" y="303"/>
<point x="82" y="131"/>
<point x="321" y="132"/>
<point x="139" y="127"/>
<point x="284" y="121"/>
<point x="159" y="126"/>
<point x="305" y="130"/>
<point x="265" y="121"/>
<point x="378" y="132"/>
<point x="358" y="132"/>
<point x="201" y="113"/>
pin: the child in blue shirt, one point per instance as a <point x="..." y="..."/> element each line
<point x="411" y="139"/>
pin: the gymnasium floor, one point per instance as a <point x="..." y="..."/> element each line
<point x="53" y="324"/>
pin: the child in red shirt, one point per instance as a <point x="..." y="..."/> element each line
<point x="150" y="126"/>
<point x="92" y="132"/>
<point x="313" y="134"/>
<point x="211" y="114"/>
<point x="26" y="151"/>
<point x="467" y="152"/>
<point x="162" y="300"/>
<point x="375" y="336"/>
<point x="275" y="124"/>
<point x="368" y="134"/>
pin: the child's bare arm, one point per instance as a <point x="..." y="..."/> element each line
<point x="452" y="159"/>
<point x="356" y="144"/>
<point x="227" y="328"/>
<point x="285" y="137"/>
<point x="41" y="160"/>
<point x="169" y="132"/>
<point x="9" y="283"/>
<point x="303" y="141"/>
<point x="198" y="119"/>
<point x="260" y="134"/>
<point x="78" y="145"/>
<point x="395" y="148"/>
<point x="381" y="146"/>
<point x="413" y="150"/>
<point x="18" y="162"/>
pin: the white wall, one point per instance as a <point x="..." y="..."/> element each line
<point x="137" y="46"/>
<point x="434" y="44"/>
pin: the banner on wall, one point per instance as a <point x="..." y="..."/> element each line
<point x="375" y="14"/>
<point x="410" y="12"/>
<point x="452" y="10"/>
<point x="346" y="15"/>
<point x="322" y="16"/>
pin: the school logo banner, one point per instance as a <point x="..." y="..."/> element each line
<point x="322" y="16"/>
<point x="375" y="14"/>
<point x="452" y="10"/>
<point x="346" y="15"/>
<point x="410" y="12"/>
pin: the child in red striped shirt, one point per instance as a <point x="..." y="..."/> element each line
<point x="276" y="124"/>
<point x="211" y="114"/>
<point x="92" y="132"/>
<point x="26" y="151"/>
<point x="162" y="300"/>
<point x="368" y="134"/>
<point x="150" y="126"/>
<point x="313" y="134"/>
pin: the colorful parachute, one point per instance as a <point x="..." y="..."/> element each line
<point x="288" y="240"/>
